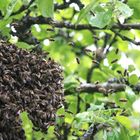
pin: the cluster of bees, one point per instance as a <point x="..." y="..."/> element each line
<point x="30" y="83"/>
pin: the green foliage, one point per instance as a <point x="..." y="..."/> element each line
<point x="10" y="8"/>
<point x="134" y="4"/>
<point x="101" y="19"/>
<point x="123" y="10"/>
<point x="67" y="45"/>
<point x="101" y="16"/>
<point x="46" y="7"/>
<point x="27" y="125"/>
<point x="88" y="8"/>
<point x="131" y="68"/>
<point x="3" y="6"/>
<point x="133" y="79"/>
<point x="124" y="121"/>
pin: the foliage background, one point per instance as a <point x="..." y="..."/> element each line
<point x="96" y="42"/>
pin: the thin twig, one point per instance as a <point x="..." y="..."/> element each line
<point x="78" y="103"/>
<point x="126" y="38"/>
<point x="23" y="8"/>
<point x="90" y="72"/>
<point x="93" y="129"/>
<point x="106" y="39"/>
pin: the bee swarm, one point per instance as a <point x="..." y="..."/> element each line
<point x="27" y="83"/>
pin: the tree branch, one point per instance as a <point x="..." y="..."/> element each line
<point x="126" y="38"/>
<point x="24" y="25"/>
<point x="93" y="129"/>
<point x="104" y="88"/>
<point x="29" y="21"/>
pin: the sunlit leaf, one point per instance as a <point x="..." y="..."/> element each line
<point x="133" y="79"/>
<point x="27" y="125"/>
<point x="3" y="6"/>
<point x="101" y="19"/>
<point x="24" y="45"/>
<point x="135" y="4"/>
<point x="10" y="8"/>
<point x="46" y="7"/>
<point x="95" y="107"/>
<point x="92" y="5"/>
<point x="125" y="121"/>
<point x="84" y="116"/>
<point x="131" y="68"/>
<point x="123" y="11"/>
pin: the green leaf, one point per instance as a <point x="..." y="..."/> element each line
<point x="113" y="135"/>
<point x="125" y="121"/>
<point x="129" y="91"/>
<point x="3" y="6"/>
<point x="46" y="7"/>
<point x="131" y="68"/>
<point x="130" y="95"/>
<point x="133" y="79"/>
<point x="61" y="111"/>
<point x="113" y="56"/>
<point x="26" y="125"/>
<point x="84" y="117"/>
<point x="24" y="45"/>
<point x="89" y="7"/>
<point x="25" y="2"/>
<point x="68" y="118"/>
<point x="135" y="4"/>
<point x="101" y="19"/>
<point x="10" y="8"/>
<point x="94" y="107"/>
<point x="70" y="82"/>
<point x="5" y="30"/>
<point x="70" y="85"/>
<point x="123" y="10"/>
<point x="124" y="134"/>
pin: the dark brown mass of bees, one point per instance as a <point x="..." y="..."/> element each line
<point x="27" y="83"/>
